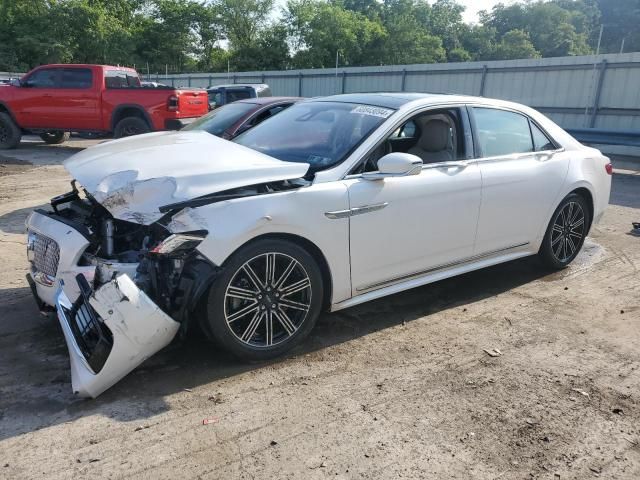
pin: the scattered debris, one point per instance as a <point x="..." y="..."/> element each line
<point x="621" y="311"/>
<point x="188" y="390"/>
<point x="494" y="352"/>
<point x="93" y="460"/>
<point x="216" y="400"/>
<point x="210" y="420"/>
<point x="141" y="427"/>
<point x="273" y="443"/>
<point x="531" y="421"/>
<point x="595" y="470"/>
<point x="617" y="411"/>
<point x="93" y="442"/>
<point x="636" y="229"/>
<point x="581" y="392"/>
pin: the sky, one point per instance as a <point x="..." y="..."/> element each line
<point x="474" y="6"/>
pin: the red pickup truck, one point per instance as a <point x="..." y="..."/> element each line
<point x="53" y="100"/>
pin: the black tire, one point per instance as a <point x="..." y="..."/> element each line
<point x="224" y="321"/>
<point x="566" y="232"/>
<point x="10" y="133"/>
<point x="129" y="126"/>
<point x="55" y="137"/>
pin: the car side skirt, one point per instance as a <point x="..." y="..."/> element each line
<point x="437" y="273"/>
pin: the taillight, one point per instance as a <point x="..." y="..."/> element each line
<point x="172" y="103"/>
<point x="609" y="168"/>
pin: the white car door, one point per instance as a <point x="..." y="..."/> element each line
<point x="522" y="174"/>
<point x="403" y="227"/>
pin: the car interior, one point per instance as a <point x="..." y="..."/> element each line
<point x="435" y="136"/>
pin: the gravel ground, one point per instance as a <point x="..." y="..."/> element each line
<point x="397" y="388"/>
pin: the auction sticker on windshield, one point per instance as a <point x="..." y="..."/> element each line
<point x="373" y="111"/>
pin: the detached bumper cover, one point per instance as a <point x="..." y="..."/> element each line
<point x="137" y="329"/>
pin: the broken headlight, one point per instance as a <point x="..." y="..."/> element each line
<point x="179" y="243"/>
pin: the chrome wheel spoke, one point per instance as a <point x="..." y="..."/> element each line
<point x="295" y="305"/>
<point x="268" y="326"/>
<point x="242" y="293"/>
<point x="285" y="274"/>
<point x="252" y="276"/>
<point x="295" y="287"/>
<point x="243" y="312"/>
<point x="571" y="245"/>
<point x="250" y="331"/>
<point x="270" y="265"/>
<point x="558" y="238"/>
<point x="285" y="321"/>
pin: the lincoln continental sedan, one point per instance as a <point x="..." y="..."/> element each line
<point x="333" y="202"/>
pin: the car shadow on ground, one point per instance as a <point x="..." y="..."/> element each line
<point x="14" y="222"/>
<point x="34" y="370"/>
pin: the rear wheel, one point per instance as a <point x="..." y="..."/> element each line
<point x="10" y="134"/>
<point x="130" y="126"/>
<point x="566" y="232"/>
<point x="266" y="301"/>
<point x="54" y="137"/>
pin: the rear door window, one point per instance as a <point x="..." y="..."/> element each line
<point x="501" y="132"/>
<point x="233" y="95"/>
<point x="76" y="78"/>
<point x="121" y="79"/>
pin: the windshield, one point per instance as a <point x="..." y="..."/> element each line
<point x="319" y="133"/>
<point x="217" y="121"/>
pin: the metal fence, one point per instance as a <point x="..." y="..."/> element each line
<point x="599" y="92"/>
<point x="577" y="92"/>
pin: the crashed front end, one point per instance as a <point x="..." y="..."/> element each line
<point x="121" y="290"/>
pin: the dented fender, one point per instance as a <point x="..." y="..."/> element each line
<point x="138" y="327"/>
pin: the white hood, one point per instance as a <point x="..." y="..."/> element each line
<point x="134" y="176"/>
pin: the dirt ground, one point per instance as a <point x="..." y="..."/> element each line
<point x="397" y="388"/>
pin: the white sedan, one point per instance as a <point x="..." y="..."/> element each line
<point x="334" y="202"/>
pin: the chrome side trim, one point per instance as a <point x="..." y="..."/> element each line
<point x="336" y="214"/>
<point x="438" y="267"/>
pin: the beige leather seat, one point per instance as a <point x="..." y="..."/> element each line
<point x="434" y="144"/>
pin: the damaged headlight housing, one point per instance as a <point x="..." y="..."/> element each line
<point x="179" y="243"/>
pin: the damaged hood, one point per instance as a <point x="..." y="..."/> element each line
<point x="134" y="176"/>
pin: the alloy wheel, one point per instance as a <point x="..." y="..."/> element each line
<point x="267" y="300"/>
<point x="567" y="232"/>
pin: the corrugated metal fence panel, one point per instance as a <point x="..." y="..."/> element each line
<point x="567" y="89"/>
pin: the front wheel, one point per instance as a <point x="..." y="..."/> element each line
<point x="566" y="232"/>
<point x="10" y="133"/>
<point x="266" y="300"/>
<point x="54" y="137"/>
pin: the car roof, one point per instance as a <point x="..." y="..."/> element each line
<point x="259" y="86"/>
<point x="392" y="99"/>
<point x="268" y="100"/>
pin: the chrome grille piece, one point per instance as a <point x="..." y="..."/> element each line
<point x="44" y="252"/>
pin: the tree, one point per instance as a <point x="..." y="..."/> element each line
<point x="515" y="44"/>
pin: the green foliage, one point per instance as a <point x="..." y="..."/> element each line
<point x="213" y="35"/>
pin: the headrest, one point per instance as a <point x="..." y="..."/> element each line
<point x="435" y="135"/>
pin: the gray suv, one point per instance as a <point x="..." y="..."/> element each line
<point x="222" y="94"/>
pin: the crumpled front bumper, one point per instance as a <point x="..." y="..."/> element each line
<point x="136" y="326"/>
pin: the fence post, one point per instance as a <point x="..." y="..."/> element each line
<point x="300" y="84"/>
<point x="483" y="80"/>
<point x="344" y="80"/>
<point x="404" y="79"/>
<point x="596" y="100"/>
<point x="234" y="79"/>
<point x="262" y="78"/>
<point x="189" y="80"/>
<point x="210" y="80"/>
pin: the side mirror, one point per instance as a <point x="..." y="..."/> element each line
<point x="396" y="164"/>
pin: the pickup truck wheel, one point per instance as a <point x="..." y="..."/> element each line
<point x="10" y="134"/>
<point x="130" y="126"/>
<point x="55" y="137"/>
